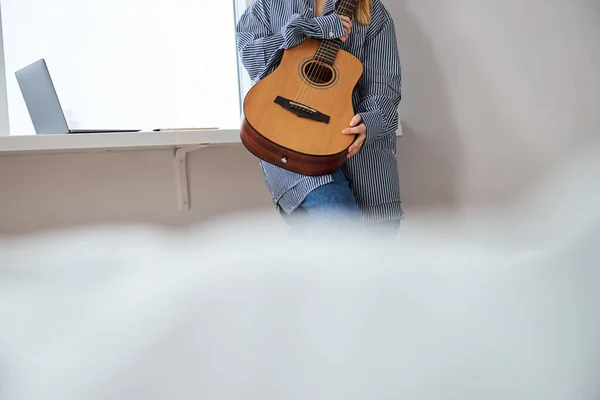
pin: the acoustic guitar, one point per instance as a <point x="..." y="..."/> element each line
<point x="294" y="117"/>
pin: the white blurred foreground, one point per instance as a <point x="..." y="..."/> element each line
<point x="238" y="310"/>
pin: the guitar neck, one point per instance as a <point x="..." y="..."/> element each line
<point x="347" y="8"/>
<point x="329" y="48"/>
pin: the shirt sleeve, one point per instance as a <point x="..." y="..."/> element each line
<point x="259" y="47"/>
<point x="380" y="85"/>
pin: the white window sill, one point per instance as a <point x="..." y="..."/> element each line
<point x="117" y="141"/>
<point x="114" y="141"/>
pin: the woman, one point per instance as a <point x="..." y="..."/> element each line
<point x="367" y="185"/>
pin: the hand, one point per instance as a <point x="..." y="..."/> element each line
<point x="347" y="22"/>
<point x="357" y="127"/>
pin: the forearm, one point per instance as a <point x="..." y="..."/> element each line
<point x="258" y="55"/>
<point x="259" y="47"/>
<point x="299" y="28"/>
<point x="380" y="114"/>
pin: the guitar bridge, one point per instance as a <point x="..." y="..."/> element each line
<point x="301" y="110"/>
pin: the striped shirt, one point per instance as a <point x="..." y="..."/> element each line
<point x="267" y="28"/>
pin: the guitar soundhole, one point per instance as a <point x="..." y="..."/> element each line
<point x="318" y="73"/>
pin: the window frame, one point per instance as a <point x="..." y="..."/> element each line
<point x="4" y="121"/>
<point x="244" y="81"/>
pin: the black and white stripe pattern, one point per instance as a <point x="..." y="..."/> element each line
<point x="267" y="28"/>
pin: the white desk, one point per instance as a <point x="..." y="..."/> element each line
<point x="115" y="141"/>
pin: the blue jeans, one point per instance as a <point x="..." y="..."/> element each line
<point x="335" y="198"/>
<point x="329" y="207"/>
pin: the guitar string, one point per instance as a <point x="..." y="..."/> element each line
<point x="308" y="76"/>
<point x="328" y="48"/>
<point x="317" y="71"/>
<point x="304" y="75"/>
<point x="328" y="52"/>
<point x="325" y="55"/>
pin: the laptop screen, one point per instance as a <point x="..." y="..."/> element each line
<point x="41" y="99"/>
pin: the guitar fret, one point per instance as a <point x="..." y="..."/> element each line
<point x="327" y="57"/>
<point x="345" y="11"/>
<point x="328" y="49"/>
<point x="347" y="7"/>
<point x="328" y="53"/>
<point x="330" y="46"/>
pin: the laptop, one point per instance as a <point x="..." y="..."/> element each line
<point x="43" y="105"/>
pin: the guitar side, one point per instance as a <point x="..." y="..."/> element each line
<point x="295" y="116"/>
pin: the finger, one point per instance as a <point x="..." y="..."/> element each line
<point x="354" y="149"/>
<point x="358" y="144"/>
<point x="347" y="22"/>
<point x="357" y="119"/>
<point x="357" y="130"/>
<point x="343" y="38"/>
<point x="356" y="126"/>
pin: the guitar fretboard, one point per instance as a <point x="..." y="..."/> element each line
<point x="329" y="48"/>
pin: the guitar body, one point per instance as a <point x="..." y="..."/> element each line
<point x="294" y="117"/>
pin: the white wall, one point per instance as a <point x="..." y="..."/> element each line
<point x="495" y="92"/>
<point x="48" y="191"/>
<point x="141" y="64"/>
<point x="494" y="95"/>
